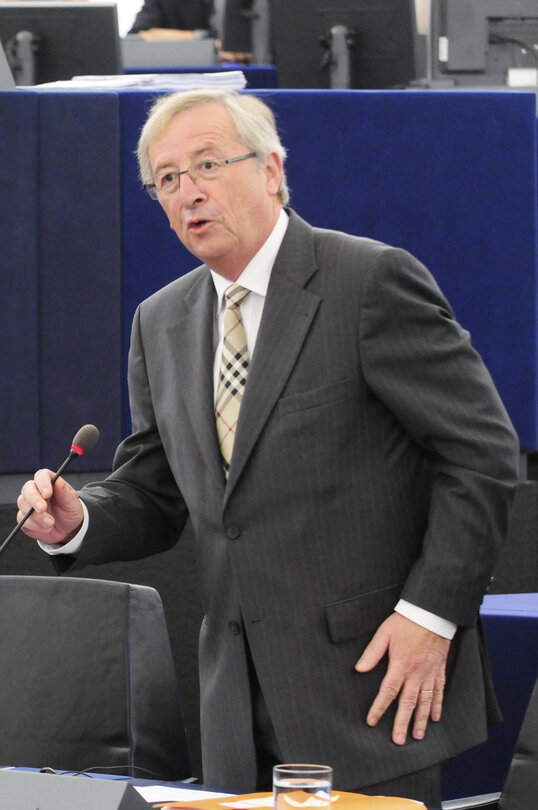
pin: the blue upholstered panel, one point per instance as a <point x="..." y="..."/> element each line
<point x="19" y="368"/>
<point x="450" y="176"/>
<point x="79" y="273"/>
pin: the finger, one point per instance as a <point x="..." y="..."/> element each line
<point x="31" y="498"/>
<point x="407" y="704"/>
<point x="36" y="493"/>
<point x="373" y="653"/>
<point x="423" y="711"/>
<point x="42" y="481"/>
<point x="37" y="525"/>
<point x="388" y="692"/>
<point x="438" y="697"/>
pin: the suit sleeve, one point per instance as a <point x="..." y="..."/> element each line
<point x="421" y="363"/>
<point x="138" y="510"/>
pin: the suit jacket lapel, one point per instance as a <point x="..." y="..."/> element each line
<point x="288" y="312"/>
<point x="193" y="338"/>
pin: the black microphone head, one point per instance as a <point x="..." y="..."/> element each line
<point x="84" y="439"/>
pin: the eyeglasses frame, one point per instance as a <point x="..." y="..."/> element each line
<point x="151" y="188"/>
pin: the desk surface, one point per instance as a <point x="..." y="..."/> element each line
<point x="510" y="604"/>
<point x="51" y="786"/>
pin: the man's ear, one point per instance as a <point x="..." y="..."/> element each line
<point x="273" y="171"/>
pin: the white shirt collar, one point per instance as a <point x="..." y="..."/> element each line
<point x="255" y="277"/>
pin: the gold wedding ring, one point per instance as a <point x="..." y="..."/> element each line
<point x="426" y="691"/>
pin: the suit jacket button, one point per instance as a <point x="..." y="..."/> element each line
<point x="232" y="532"/>
<point x="235" y="628"/>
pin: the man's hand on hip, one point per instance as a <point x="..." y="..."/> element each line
<point x="415" y="675"/>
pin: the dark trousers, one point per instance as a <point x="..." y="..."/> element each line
<point x="423" y="786"/>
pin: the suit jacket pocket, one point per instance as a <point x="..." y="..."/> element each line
<point x="324" y="395"/>
<point x="360" y="615"/>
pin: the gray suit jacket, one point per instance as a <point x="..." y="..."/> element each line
<point x="373" y="460"/>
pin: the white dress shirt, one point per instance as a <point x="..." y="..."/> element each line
<point x="255" y="278"/>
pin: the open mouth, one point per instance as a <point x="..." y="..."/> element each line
<point x="198" y="224"/>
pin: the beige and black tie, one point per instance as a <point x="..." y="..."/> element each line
<point x="233" y="373"/>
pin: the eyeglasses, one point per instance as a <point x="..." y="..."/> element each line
<point x="206" y="169"/>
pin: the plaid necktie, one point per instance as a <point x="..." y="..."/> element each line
<point x="233" y="373"/>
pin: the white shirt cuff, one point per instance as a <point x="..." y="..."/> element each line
<point x="74" y="544"/>
<point x="426" y="619"/>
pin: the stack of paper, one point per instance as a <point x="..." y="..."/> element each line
<point x="234" y="79"/>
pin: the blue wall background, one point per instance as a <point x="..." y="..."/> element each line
<point x="448" y="175"/>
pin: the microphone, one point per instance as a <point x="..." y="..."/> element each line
<point x="84" y="440"/>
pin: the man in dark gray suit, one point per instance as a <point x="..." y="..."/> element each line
<point x="345" y="546"/>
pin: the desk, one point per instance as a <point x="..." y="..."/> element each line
<point x="23" y="787"/>
<point x="511" y="629"/>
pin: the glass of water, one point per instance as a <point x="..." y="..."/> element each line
<point x="302" y="786"/>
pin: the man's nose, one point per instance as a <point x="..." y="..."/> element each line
<point x="189" y="189"/>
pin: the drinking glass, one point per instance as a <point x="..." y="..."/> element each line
<point x="299" y="786"/>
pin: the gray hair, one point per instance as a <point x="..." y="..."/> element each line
<point x="251" y="117"/>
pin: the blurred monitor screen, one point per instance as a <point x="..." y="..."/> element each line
<point x="48" y="41"/>
<point x="381" y="41"/>
<point x="236" y="31"/>
<point x="477" y="42"/>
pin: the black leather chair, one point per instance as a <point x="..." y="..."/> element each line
<point x="87" y="679"/>
<point x="520" y="791"/>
